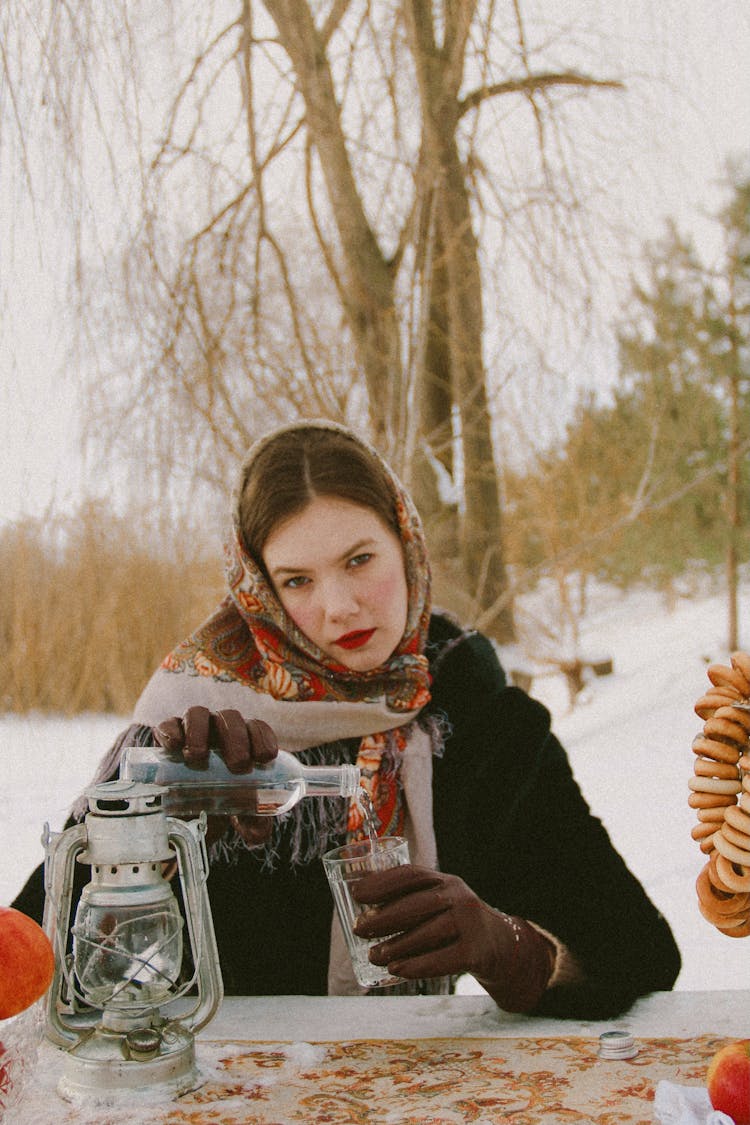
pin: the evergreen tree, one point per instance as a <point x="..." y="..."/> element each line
<point x="654" y="481"/>
<point x="728" y="357"/>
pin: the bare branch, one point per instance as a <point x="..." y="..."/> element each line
<point x="186" y="86"/>
<point x="338" y="10"/>
<point x="328" y="255"/>
<point x="369" y="272"/>
<point x="534" y="84"/>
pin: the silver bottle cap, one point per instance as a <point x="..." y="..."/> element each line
<point x="617" y="1045"/>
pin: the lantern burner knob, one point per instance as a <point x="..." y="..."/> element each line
<point x="143" y="1043"/>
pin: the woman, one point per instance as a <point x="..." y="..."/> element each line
<point x="326" y="645"/>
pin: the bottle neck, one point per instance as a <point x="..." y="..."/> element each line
<point x="331" y="781"/>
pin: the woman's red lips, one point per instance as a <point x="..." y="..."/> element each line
<point x="356" y="639"/>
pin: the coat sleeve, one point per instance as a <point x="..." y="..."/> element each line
<point x="30" y="899"/>
<point x="511" y="820"/>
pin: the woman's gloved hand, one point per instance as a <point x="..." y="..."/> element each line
<point x="242" y="743"/>
<point x="442" y="928"/>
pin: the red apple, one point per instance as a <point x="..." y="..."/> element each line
<point x="27" y="962"/>
<point x="728" y="1081"/>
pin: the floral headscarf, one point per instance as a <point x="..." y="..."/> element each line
<point x="251" y="641"/>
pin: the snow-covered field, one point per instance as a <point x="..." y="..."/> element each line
<point x="628" y="738"/>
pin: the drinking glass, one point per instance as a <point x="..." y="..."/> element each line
<point x="344" y="867"/>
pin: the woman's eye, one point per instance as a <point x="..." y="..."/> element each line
<point x="295" y="582"/>
<point x="360" y="560"/>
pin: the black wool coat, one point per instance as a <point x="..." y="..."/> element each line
<point x="510" y="819"/>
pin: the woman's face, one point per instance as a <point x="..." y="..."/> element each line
<point x="338" y="571"/>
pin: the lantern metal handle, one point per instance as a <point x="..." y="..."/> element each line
<point x="199" y="920"/>
<point x="61" y="849"/>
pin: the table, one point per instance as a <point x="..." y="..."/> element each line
<point x="426" y="1060"/>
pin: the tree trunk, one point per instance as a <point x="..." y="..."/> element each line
<point x="455" y="339"/>
<point x="435" y="399"/>
<point x="368" y="285"/>
<point x="481" y="527"/>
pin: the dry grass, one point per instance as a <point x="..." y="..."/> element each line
<point x="89" y="605"/>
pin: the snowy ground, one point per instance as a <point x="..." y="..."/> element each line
<point x="628" y="738"/>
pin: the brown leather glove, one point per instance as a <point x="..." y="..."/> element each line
<point x="242" y="744"/>
<point x="442" y="928"/>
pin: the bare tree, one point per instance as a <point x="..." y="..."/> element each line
<point x="311" y="214"/>
<point x="430" y="50"/>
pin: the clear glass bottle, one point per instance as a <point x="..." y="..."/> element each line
<point x="268" y="790"/>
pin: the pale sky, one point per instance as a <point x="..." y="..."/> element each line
<point x="703" y="117"/>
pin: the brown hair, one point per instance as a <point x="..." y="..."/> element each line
<point x="299" y="464"/>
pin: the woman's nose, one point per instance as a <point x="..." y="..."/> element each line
<point x="338" y="602"/>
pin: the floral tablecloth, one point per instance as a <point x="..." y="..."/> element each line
<point x="524" y="1081"/>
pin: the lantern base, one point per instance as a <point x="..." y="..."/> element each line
<point x="99" y="1070"/>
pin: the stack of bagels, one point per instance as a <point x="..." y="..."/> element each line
<point x="720" y="795"/>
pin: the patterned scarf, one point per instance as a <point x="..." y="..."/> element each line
<point x="251" y="641"/>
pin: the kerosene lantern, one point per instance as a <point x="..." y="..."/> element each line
<point x="119" y="1004"/>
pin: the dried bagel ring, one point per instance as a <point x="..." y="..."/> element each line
<point x="705" y="812"/>
<point x="706" y="843"/>
<point x="725" y="730"/>
<point x="714" y="815"/>
<point x="723" y="902"/>
<point x="739" y="839"/>
<point x="718" y="751"/>
<point x="718" y="785"/>
<point x="735" y="714"/>
<point x="741" y="912"/>
<point x="726" y="690"/>
<point x="706" y="767"/>
<point x="724" y="913"/>
<point x="728" y="921"/>
<point x="720" y="794"/>
<point x="736" y="931"/>
<point x="710" y="806"/>
<point x="701" y="830"/>
<point x="731" y="851"/>
<point x="712" y="917"/>
<point x="722" y="676"/>
<point x="714" y="699"/>
<point x="714" y="875"/>
<point x="731" y="876"/>
<point x="710" y="800"/>
<point x="738" y="819"/>
<point x="740" y="661"/>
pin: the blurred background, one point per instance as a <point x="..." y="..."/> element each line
<point x="509" y="242"/>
